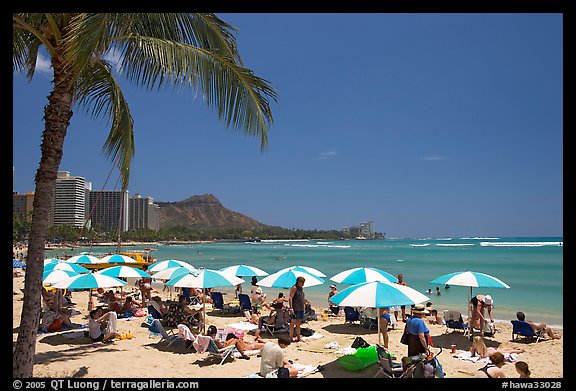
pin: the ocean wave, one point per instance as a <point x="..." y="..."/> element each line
<point x="521" y="244"/>
<point x="420" y="245"/>
<point x="454" y="244"/>
<point x="479" y="238"/>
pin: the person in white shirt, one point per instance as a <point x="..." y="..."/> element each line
<point x="273" y="358"/>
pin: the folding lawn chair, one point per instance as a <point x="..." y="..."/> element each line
<point x="453" y="320"/>
<point x="387" y="367"/>
<point x="521" y="328"/>
<point x="351" y="314"/>
<point x="217" y="301"/>
<point x="281" y="322"/>
<point x="206" y="344"/>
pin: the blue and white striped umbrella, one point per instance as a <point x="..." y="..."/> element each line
<point x="363" y="274"/>
<point x="377" y="294"/>
<point x="51" y="260"/>
<point x="172" y="272"/>
<point x="306" y="269"/>
<point x="61" y="265"/>
<point x="204" y="278"/>
<point x="53" y="276"/>
<point x="88" y="281"/>
<point x="243" y="271"/>
<point x="471" y="279"/>
<point x="83" y="259"/>
<point x="123" y="271"/>
<point x="16" y="263"/>
<point x="117" y="258"/>
<point x="167" y="264"/>
<point x="286" y="278"/>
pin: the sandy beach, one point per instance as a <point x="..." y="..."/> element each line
<point x="59" y="356"/>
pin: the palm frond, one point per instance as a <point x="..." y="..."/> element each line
<point x="240" y="97"/>
<point x="99" y="94"/>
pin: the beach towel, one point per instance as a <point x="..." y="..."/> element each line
<point x="244" y="326"/>
<point x="184" y="332"/>
<point x="201" y="343"/>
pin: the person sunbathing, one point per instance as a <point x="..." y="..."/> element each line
<point x="483" y="351"/>
<point x="241" y="345"/>
<point x="538" y="327"/>
<point x="102" y="326"/>
<point x="53" y="320"/>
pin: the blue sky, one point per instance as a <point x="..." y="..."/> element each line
<point x="431" y="125"/>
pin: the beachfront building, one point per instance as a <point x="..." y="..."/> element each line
<point x="143" y="213"/>
<point x="69" y="204"/>
<point x="367" y="230"/>
<point x="109" y="209"/>
<point x="22" y="205"/>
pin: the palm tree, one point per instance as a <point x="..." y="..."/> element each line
<point x="190" y="50"/>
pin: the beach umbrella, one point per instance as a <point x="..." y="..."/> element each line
<point x="306" y="269"/>
<point x="16" y="263"/>
<point x="378" y="294"/>
<point x="204" y="278"/>
<point x="243" y="271"/>
<point x="117" y="258"/>
<point x="53" y="276"/>
<point x="363" y="274"/>
<point x="172" y="272"/>
<point x="83" y="259"/>
<point x="51" y="260"/>
<point x="169" y="263"/>
<point x="286" y="278"/>
<point x="88" y="281"/>
<point x="61" y="265"/>
<point x="471" y="280"/>
<point x="123" y="271"/>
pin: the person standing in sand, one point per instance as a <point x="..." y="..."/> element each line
<point x="402" y="307"/>
<point x="297" y="307"/>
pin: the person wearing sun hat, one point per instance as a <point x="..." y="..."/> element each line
<point x="417" y="331"/>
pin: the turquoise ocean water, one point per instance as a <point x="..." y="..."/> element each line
<point x="532" y="267"/>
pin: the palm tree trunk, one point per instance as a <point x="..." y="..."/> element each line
<point x="57" y="116"/>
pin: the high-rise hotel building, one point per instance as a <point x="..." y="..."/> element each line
<point x="69" y="205"/>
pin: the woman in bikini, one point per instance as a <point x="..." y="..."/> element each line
<point x="494" y="369"/>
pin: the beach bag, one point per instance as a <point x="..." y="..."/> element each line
<point x="404" y="338"/>
<point x="360" y="342"/>
<point x="306" y="332"/>
<point x="139" y="313"/>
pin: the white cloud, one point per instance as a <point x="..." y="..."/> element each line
<point x="434" y="158"/>
<point x="43" y="64"/>
<point x="326" y="155"/>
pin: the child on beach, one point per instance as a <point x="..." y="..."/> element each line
<point x="522" y="369"/>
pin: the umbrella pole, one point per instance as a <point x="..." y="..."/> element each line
<point x="470" y="328"/>
<point x="378" y="322"/>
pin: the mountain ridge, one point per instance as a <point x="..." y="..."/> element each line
<point x="204" y="211"/>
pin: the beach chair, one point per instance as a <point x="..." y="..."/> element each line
<point x="453" y="320"/>
<point x="154" y="312"/>
<point x="217" y="301"/>
<point x="245" y="304"/>
<point x="387" y="367"/>
<point x="281" y="322"/>
<point x="351" y="315"/>
<point x="206" y="344"/>
<point x="521" y="328"/>
<point x="167" y="335"/>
